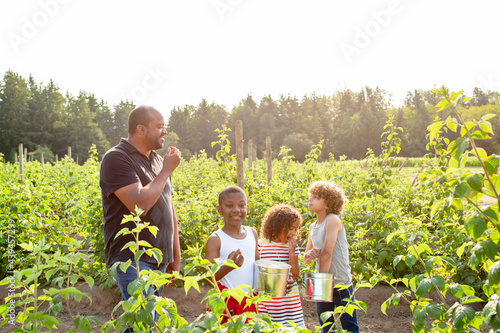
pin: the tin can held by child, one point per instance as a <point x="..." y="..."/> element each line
<point x="271" y="277"/>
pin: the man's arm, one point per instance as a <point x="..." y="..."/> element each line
<point x="145" y="197"/>
<point x="176" y="264"/>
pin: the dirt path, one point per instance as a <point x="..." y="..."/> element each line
<point x="189" y="306"/>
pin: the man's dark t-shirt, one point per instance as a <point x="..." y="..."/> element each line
<point x="123" y="165"/>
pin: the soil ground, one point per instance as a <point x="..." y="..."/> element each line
<point x="189" y="306"/>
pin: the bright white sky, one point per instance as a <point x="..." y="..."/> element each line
<point x="171" y="53"/>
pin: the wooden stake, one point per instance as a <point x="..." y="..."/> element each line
<point x="21" y="161"/>
<point x="250" y="153"/>
<point x="240" y="178"/>
<point x="269" y="161"/>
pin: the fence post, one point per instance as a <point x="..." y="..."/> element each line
<point x="69" y="152"/>
<point x="21" y="161"/>
<point x="250" y="154"/>
<point x="41" y="159"/>
<point x="269" y="161"/>
<point x="239" y="154"/>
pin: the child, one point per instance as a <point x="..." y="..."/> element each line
<point x="327" y="243"/>
<point x="278" y="242"/>
<point x="234" y="241"/>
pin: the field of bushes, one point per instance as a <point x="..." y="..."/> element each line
<point x="421" y="224"/>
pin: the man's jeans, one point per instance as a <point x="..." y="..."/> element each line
<point x="349" y="323"/>
<point x="124" y="278"/>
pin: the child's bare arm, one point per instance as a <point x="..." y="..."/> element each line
<point x="293" y="259"/>
<point x="212" y="251"/>
<point x="333" y="226"/>
<point x="256" y="236"/>
<point x="311" y="253"/>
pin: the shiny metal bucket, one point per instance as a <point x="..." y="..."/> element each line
<point x="317" y="287"/>
<point x="271" y="277"/>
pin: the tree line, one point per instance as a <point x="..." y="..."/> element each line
<point x="348" y="123"/>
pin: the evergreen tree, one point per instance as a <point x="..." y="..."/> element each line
<point x="80" y="130"/>
<point x="14" y="114"/>
<point x="119" y="128"/>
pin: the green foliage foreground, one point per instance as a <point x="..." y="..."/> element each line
<point x="421" y="230"/>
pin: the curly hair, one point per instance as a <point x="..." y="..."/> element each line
<point x="278" y="220"/>
<point x="332" y="194"/>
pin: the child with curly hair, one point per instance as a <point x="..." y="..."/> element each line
<point x="278" y="242"/>
<point x="327" y="244"/>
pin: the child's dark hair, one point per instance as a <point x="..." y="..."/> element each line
<point x="278" y="219"/>
<point x="229" y="190"/>
<point x="332" y="194"/>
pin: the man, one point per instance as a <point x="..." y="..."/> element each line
<point x="133" y="175"/>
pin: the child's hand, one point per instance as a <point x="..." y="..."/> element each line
<point x="289" y="283"/>
<point x="312" y="254"/>
<point x="237" y="257"/>
<point x="292" y="244"/>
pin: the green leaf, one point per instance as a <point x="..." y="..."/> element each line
<point x="443" y="105"/>
<point x="491" y="164"/>
<point x="385" y="305"/>
<point x="153" y="230"/>
<point x="144" y="243"/>
<point x="436" y="311"/>
<point x="476" y="182"/>
<point x="475" y="226"/>
<point x="462" y="316"/>
<point x="429" y="265"/>
<point x="423" y="287"/>
<point x="494" y="185"/>
<point x="461" y="250"/>
<point x="89" y="280"/>
<point x="392" y="235"/>
<point x="410" y="260"/>
<point x="396" y="260"/>
<point x="490" y="249"/>
<point x="486" y="127"/>
<point x="435" y="206"/>
<point x="456" y="148"/>
<point x="494" y="274"/>
<point x="157" y="254"/>
<point x="488" y="116"/>
<point x="419" y="317"/>
<point x="481" y="153"/>
<point x="479" y="135"/>
<point x="424" y="248"/>
<point x="460" y="190"/>
<point x="439" y="282"/>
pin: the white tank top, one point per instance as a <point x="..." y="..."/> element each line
<point x="228" y="244"/>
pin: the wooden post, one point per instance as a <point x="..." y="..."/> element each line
<point x="57" y="158"/>
<point x="15" y="157"/>
<point x="239" y="154"/>
<point x="69" y="151"/>
<point x="25" y="155"/>
<point x="21" y="161"/>
<point x="269" y="161"/>
<point x="255" y="153"/>
<point x="250" y="153"/>
<point x="41" y="160"/>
